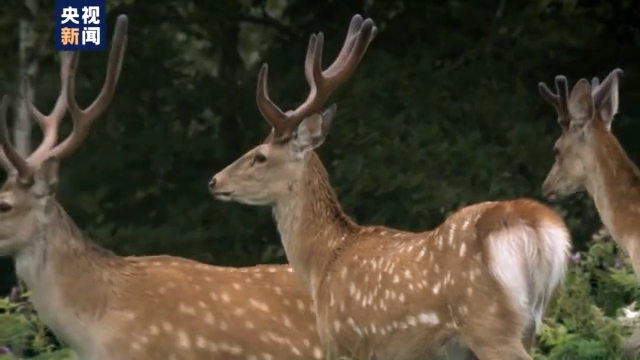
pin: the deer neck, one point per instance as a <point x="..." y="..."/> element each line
<point x="66" y="275"/>
<point x="614" y="185"/>
<point x="312" y="226"/>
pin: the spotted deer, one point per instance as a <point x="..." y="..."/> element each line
<point x="477" y="285"/>
<point x="590" y="158"/>
<point x="108" y="307"/>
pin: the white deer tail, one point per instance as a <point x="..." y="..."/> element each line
<point x="530" y="255"/>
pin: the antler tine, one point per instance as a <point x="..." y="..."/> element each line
<point x="10" y="158"/>
<point x="323" y="83"/>
<point x="49" y="124"/>
<point x="315" y="40"/>
<point x="562" y="88"/>
<point x="313" y="60"/>
<point x="559" y="100"/>
<point x="269" y="110"/>
<point x="348" y="66"/>
<point x="4" y="161"/>
<point x="82" y="119"/>
<point x="355" y="46"/>
<point x="347" y="46"/>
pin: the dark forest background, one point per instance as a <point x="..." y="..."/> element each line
<point x="444" y="111"/>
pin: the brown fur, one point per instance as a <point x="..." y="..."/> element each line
<point x="111" y="307"/>
<point x="616" y="190"/>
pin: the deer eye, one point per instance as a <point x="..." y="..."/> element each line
<point x="5" y="207"/>
<point x="259" y="158"/>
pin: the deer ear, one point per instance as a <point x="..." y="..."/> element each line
<point x="605" y="97"/>
<point x="581" y="102"/>
<point x="45" y="179"/>
<point x="313" y="131"/>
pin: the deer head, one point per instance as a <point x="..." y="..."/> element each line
<point x="267" y="172"/>
<point x="582" y="114"/>
<point x="30" y="187"/>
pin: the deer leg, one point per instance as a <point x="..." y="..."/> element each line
<point x="455" y="350"/>
<point x="631" y="346"/>
<point x="497" y="337"/>
<point x="529" y="337"/>
<point x="502" y="351"/>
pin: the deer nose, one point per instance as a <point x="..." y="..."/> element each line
<point x="212" y="183"/>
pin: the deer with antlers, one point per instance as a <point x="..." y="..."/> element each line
<point x="108" y="307"/>
<point x="477" y="285"/>
<point x="590" y="158"/>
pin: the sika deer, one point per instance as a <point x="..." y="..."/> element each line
<point x="589" y="157"/>
<point x="108" y="307"/>
<point x="478" y="284"/>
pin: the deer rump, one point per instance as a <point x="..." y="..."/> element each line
<point x="529" y="258"/>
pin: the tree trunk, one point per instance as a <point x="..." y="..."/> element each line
<point x="28" y="66"/>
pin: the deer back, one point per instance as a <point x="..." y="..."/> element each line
<point x="175" y="308"/>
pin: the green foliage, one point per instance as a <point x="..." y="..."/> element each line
<point x="590" y="316"/>
<point x="23" y="334"/>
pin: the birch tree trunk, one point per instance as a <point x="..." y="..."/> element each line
<point x="28" y="66"/>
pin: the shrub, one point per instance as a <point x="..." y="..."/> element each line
<point x="589" y="317"/>
<point x="22" y="333"/>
